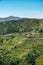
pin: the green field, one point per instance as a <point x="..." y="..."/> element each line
<point x="16" y="49"/>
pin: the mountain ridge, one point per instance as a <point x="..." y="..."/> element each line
<point x="9" y="18"/>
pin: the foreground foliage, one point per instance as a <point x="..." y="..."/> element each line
<point x="16" y="49"/>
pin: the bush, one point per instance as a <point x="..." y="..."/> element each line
<point x="14" y="61"/>
<point x="39" y="60"/>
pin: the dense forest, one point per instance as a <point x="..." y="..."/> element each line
<point x="21" y="42"/>
<point x="24" y="25"/>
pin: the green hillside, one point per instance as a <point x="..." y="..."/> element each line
<point x="21" y="42"/>
<point x="24" y="25"/>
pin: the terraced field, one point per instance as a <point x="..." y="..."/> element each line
<point x="16" y="49"/>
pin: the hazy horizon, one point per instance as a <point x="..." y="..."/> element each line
<point x="22" y="17"/>
<point x="21" y="8"/>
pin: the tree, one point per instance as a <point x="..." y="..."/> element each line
<point x="39" y="60"/>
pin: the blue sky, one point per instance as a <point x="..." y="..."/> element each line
<point x="21" y="8"/>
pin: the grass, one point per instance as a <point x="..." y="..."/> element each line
<point x="16" y="45"/>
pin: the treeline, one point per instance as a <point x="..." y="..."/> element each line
<point x="24" y="25"/>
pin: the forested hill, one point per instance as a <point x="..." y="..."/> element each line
<point x="23" y="25"/>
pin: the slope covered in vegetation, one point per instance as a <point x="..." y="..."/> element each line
<point x="21" y="42"/>
<point x="24" y="25"/>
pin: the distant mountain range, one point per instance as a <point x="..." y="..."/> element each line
<point x="9" y="18"/>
